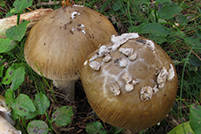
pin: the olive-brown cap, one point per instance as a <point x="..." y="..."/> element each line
<point x="60" y="42"/>
<point x="130" y="83"/>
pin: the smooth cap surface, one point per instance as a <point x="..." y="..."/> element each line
<point x="60" y="42"/>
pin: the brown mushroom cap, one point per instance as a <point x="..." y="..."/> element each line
<point x="60" y="42"/>
<point x="135" y="88"/>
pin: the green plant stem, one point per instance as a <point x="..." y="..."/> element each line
<point x="49" y="122"/>
<point x="174" y="27"/>
<point x="46" y="82"/>
<point x="18" y="18"/>
<point x="181" y="87"/>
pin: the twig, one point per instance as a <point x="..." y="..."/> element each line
<point x="11" y="21"/>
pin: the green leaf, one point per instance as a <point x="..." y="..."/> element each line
<point x="153" y="16"/>
<point x="23" y="105"/>
<point x="17" y="32"/>
<point x="9" y="73"/>
<point x="199" y="33"/>
<point x="18" y="77"/>
<point x="2" y="3"/>
<point x="153" y="28"/>
<point x="41" y="102"/>
<point x="95" y="128"/>
<point x="140" y="2"/>
<point x="116" y="130"/>
<point x="180" y="129"/>
<point x="157" y="39"/>
<point x="163" y="1"/>
<point x="105" y="4"/>
<point x="6" y="45"/>
<point x="169" y="11"/>
<point x="195" y="118"/>
<point x="117" y="4"/>
<point x="62" y="116"/>
<point x="22" y="4"/>
<point x="10" y="97"/>
<point x="182" y="19"/>
<point x="194" y="43"/>
<point x="195" y="61"/>
<point x="37" y="127"/>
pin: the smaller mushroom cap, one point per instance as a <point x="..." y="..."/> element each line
<point x="136" y="88"/>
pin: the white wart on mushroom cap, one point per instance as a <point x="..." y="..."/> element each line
<point x="135" y="88"/>
<point x="60" y="42"/>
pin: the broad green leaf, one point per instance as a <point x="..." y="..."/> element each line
<point x="18" y="77"/>
<point x="180" y="129"/>
<point x="41" y="102"/>
<point x="9" y="73"/>
<point x="169" y="11"/>
<point x="23" y="105"/>
<point x="17" y="32"/>
<point x="95" y="128"/>
<point x="22" y="4"/>
<point x="37" y="127"/>
<point x="194" y="43"/>
<point x="6" y="45"/>
<point x="117" y="4"/>
<point x="155" y="29"/>
<point x="62" y="116"/>
<point x="10" y="97"/>
<point x="195" y="61"/>
<point x="31" y="115"/>
<point x="195" y="118"/>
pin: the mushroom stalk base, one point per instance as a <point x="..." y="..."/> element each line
<point x="67" y="87"/>
<point x="7" y="128"/>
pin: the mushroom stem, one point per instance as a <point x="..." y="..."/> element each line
<point x="7" y="128"/>
<point x="68" y="87"/>
<point x="7" y="116"/>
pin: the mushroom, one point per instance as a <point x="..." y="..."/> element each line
<point x="135" y="101"/>
<point x="60" y="42"/>
<point x="6" y="122"/>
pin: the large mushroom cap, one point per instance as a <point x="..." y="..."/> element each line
<point x="59" y="43"/>
<point x="130" y="83"/>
